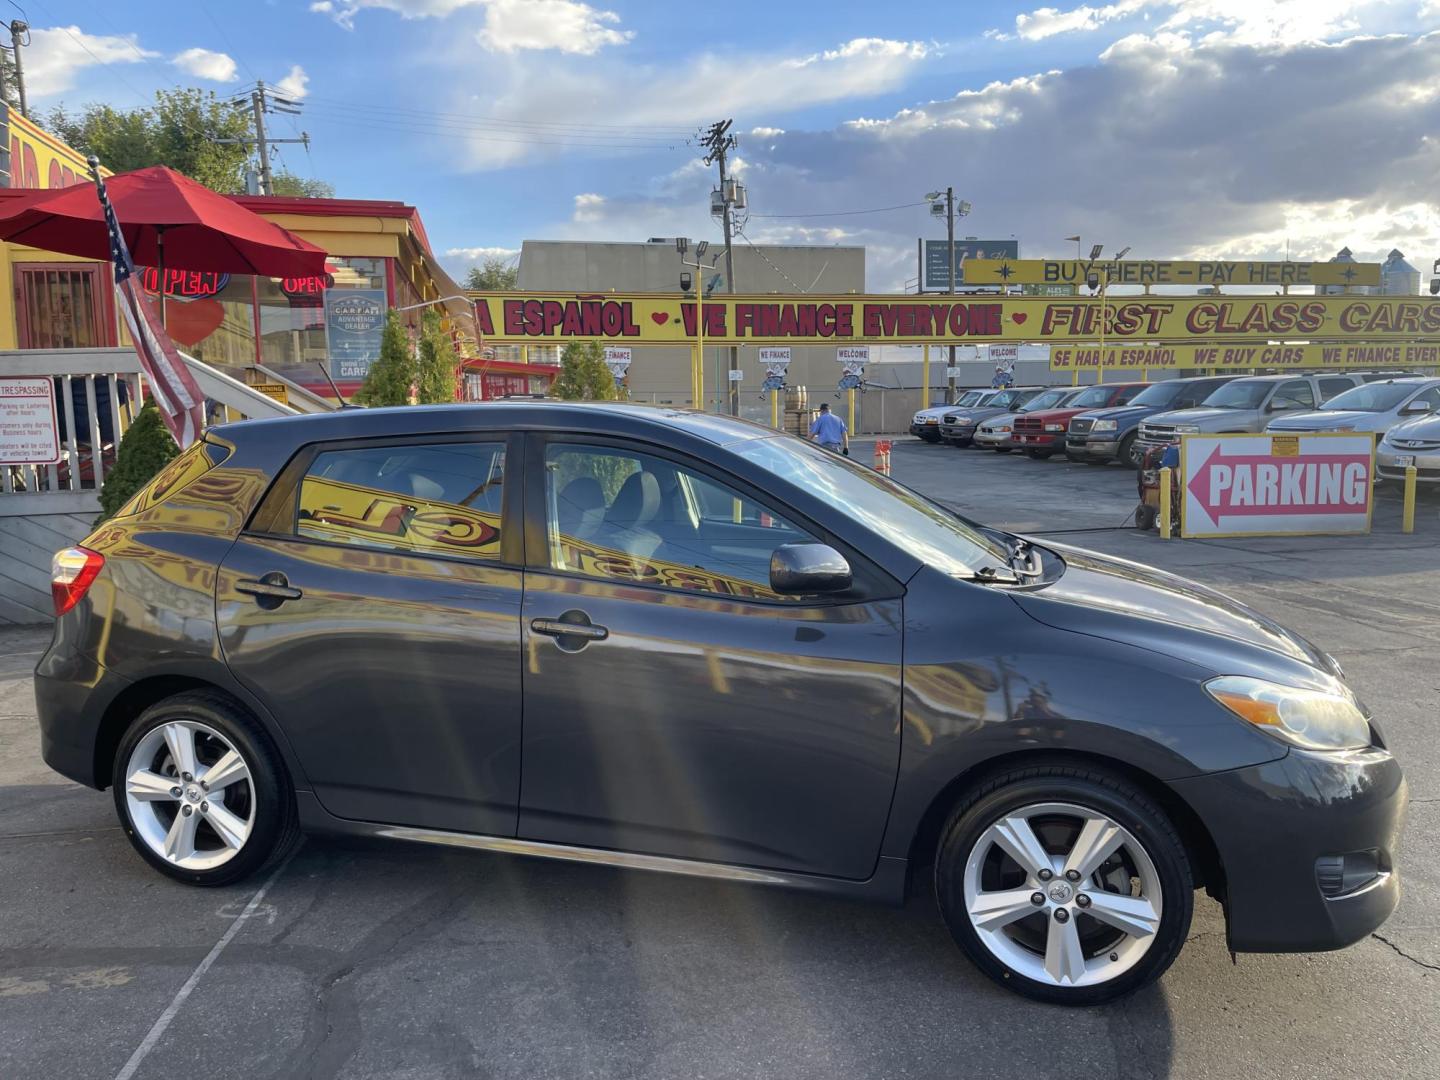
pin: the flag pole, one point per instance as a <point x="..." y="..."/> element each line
<point x="94" y="163"/>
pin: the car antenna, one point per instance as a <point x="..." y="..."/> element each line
<point x="339" y="398"/>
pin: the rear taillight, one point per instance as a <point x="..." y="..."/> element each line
<point x="71" y="573"/>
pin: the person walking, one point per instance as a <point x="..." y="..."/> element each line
<point x="829" y="431"/>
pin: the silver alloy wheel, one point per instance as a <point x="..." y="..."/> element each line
<point x="189" y="795"/>
<point x="1063" y="895"/>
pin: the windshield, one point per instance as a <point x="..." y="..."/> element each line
<point x="1373" y="397"/>
<point x="1046" y="399"/>
<point x="1239" y="395"/>
<point x="970" y="397"/>
<point x="1160" y="395"/>
<point x="919" y="527"/>
<point x="1007" y="399"/>
<point x="1091" y="398"/>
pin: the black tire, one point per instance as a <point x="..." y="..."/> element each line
<point x="1002" y="449"/>
<point x="931" y="439"/>
<point x="275" y="829"/>
<point x="1146" y="517"/>
<point x="1125" y="453"/>
<point x="1039" y="455"/>
<point x="1092" y="789"/>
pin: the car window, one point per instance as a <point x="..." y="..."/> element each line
<point x="1128" y="395"/>
<point x="431" y="499"/>
<point x="1044" y="400"/>
<point x="1332" y="386"/>
<point x="970" y="397"/>
<point x="627" y="516"/>
<point x="1372" y="397"/>
<point x="1241" y="394"/>
<point x="1295" y="394"/>
<point x="1092" y="398"/>
<point x="1161" y="395"/>
<point x="1430" y="397"/>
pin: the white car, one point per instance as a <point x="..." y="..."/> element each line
<point x="1376" y="407"/>
<point x="926" y="422"/>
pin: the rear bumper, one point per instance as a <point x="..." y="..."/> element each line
<point x="71" y="696"/>
<point x="1279" y="826"/>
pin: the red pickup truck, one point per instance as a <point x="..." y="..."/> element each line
<point x="1040" y="434"/>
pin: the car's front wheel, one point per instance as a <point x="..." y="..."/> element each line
<point x="201" y="792"/>
<point x="1065" y="884"/>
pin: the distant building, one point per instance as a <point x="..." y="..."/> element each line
<point x="1397" y="278"/>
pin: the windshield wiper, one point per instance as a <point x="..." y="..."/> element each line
<point x="1023" y="560"/>
<point x="993" y="575"/>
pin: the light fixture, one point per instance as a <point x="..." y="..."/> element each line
<point x="962" y="208"/>
<point x="685" y="280"/>
<point x="1095" y="251"/>
<point x="934" y="195"/>
<point x="701" y="248"/>
<point x="1121" y="253"/>
<point x="681" y="244"/>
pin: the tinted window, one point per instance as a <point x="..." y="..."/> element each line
<point x="632" y="517"/>
<point x="1160" y="395"/>
<point x="1330" y="387"/>
<point x="1129" y="394"/>
<point x="436" y="499"/>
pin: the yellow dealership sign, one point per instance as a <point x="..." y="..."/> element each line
<point x="37" y="158"/>
<point x="670" y="319"/>
<point x="1244" y="356"/>
<point x="1166" y="272"/>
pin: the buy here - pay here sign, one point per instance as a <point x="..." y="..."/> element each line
<point x="1249" y="485"/>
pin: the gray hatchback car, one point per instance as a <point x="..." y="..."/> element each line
<point x="676" y="642"/>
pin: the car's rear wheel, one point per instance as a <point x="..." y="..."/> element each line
<point x="1064" y="884"/>
<point x="201" y="792"/>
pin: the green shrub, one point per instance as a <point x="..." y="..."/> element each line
<point x="145" y="449"/>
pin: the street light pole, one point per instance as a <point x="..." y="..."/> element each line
<point x="950" y="237"/>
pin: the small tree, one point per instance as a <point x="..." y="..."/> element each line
<point x="389" y="378"/>
<point x="145" y="449"/>
<point x="431" y="373"/>
<point x="494" y="274"/>
<point x="583" y="374"/>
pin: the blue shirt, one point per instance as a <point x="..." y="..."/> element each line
<point x="829" y="427"/>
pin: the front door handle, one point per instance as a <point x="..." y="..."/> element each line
<point x="270" y="591"/>
<point x="571" y="631"/>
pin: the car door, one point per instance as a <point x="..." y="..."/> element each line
<point x="691" y="711"/>
<point x="374" y="607"/>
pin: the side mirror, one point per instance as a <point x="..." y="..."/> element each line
<point x="805" y="569"/>
<point x="1418" y="407"/>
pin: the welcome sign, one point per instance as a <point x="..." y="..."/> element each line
<point x="1276" y="485"/>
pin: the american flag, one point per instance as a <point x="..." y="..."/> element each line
<point x="176" y="393"/>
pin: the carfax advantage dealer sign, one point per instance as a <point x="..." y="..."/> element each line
<point x="1274" y="485"/>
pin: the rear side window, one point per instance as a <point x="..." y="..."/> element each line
<point x="430" y="499"/>
<point x="174" y="478"/>
<point x="1330" y="387"/>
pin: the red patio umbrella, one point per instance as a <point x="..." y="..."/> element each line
<point x="169" y="221"/>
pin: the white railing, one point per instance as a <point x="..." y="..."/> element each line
<point x="90" y="384"/>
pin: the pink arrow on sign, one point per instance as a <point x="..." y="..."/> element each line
<point x="1258" y="484"/>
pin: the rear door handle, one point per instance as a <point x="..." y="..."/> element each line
<point x="270" y="591"/>
<point x="558" y="628"/>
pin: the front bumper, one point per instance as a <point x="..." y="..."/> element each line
<point x="954" y="433"/>
<point x="1276" y="825"/>
<point x="926" y="431"/>
<point x="1096" y="446"/>
<point x="1391" y="465"/>
<point x="993" y="440"/>
<point x="1048" y="440"/>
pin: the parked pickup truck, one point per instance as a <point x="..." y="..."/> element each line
<point x="1242" y="405"/>
<point x="1041" y="434"/>
<point x="1103" y="435"/>
<point x="958" y="426"/>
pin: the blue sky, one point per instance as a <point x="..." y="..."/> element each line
<point x="1177" y="127"/>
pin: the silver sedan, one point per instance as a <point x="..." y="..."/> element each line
<point x="1415" y="442"/>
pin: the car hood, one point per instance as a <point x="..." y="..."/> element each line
<point x="977" y="412"/>
<point x="1330" y="419"/>
<point x="1140" y="605"/>
<point x="1423" y="427"/>
<point x="1195" y="416"/>
<point x="1052" y="415"/>
<point x="937" y="412"/>
<point x="1002" y="418"/>
<point x="1118" y="412"/>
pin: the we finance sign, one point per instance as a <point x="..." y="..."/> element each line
<point x="1274" y="485"/>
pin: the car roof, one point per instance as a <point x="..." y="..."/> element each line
<point x="615" y="416"/>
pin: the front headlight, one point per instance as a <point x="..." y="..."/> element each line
<point x="1311" y="719"/>
<point x="1103" y="425"/>
<point x="1186" y="429"/>
<point x="1003" y="427"/>
<point x="1054" y="427"/>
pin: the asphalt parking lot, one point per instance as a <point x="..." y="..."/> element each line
<point x="363" y="960"/>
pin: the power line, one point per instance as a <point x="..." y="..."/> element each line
<point x="645" y="129"/>
<point x="844" y="213"/>
<point x="453" y="126"/>
<point x="760" y="251"/>
<point x="485" y="135"/>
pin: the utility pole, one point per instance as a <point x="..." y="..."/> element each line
<point x="18" y="30"/>
<point x="264" y="100"/>
<point x="950" y="239"/>
<point x="719" y="142"/>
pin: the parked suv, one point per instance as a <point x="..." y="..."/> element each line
<point x="997" y="432"/>
<point x="1041" y="434"/>
<point x="1109" y="434"/>
<point x="958" y="427"/>
<point x="926" y="422"/>
<point x="1244" y="405"/>
<point x="1375" y="407"/>
<point x="658" y="639"/>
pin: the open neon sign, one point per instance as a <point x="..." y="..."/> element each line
<point x="185" y="284"/>
<point x="311" y="285"/>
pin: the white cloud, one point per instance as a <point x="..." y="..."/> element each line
<point x="1248" y="22"/>
<point x="563" y="25"/>
<point x="57" y="54"/>
<point x="295" y="84"/>
<point x="640" y="96"/>
<point x="477" y="255"/>
<point x="204" y="64"/>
